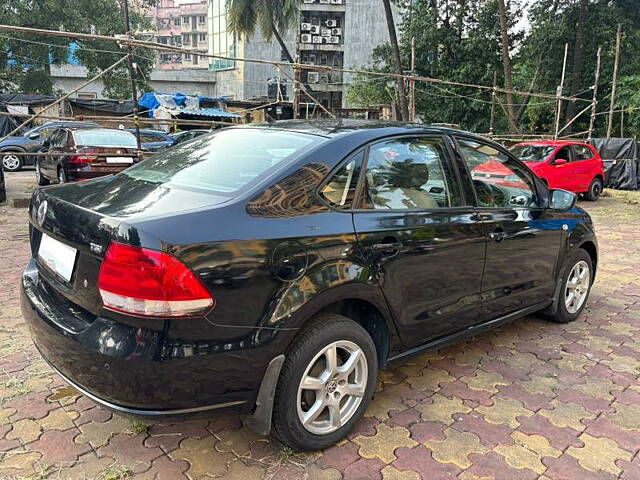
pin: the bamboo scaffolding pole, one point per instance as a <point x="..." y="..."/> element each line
<point x="64" y="97"/>
<point x="171" y="48"/>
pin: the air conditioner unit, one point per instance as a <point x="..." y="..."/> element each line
<point x="324" y="1"/>
<point x="315" y="29"/>
<point x="334" y="40"/>
<point x="317" y="39"/>
<point x="306" y="38"/>
<point x="313" y="77"/>
<point x="325" y="32"/>
<point x="305" y="27"/>
<point x="324" y="78"/>
<point x="336" y="31"/>
<point x="331" y="23"/>
<point x="337" y="2"/>
<point x="308" y="1"/>
<point x="336" y="78"/>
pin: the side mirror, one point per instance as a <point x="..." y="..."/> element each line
<point x="562" y="199"/>
<point x="34" y="136"/>
<point x="560" y="161"/>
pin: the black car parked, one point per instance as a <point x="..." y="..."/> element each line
<point x="30" y="142"/>
<point x="272" y="269"/>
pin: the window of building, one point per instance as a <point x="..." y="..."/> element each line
<point x="202" y="37"/>
<point x="497" y="180"/>
<point x="409" y="174"/>
<point x="223" y="41"/>
<point x="202" y="19"/>
<point x="177" y="22"/>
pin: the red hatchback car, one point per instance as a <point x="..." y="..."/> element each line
<point x="573" y="166"/>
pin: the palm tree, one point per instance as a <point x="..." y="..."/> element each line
<point x="271" y="17"/>
<point x="395" y="50"/>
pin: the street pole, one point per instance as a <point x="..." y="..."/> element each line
<point x="594" y="102"/>
<point x="296" y="91"/>
<point x="134" y="91"/>
<point x="615" y="81"/>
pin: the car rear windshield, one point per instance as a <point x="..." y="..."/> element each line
<point x="225" y="162"/>
<point x="532" y="153"/>
<point x="105" y="138"/>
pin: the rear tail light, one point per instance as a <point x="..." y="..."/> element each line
<point x="144" y="282"/>
<point x="85" y="156"/>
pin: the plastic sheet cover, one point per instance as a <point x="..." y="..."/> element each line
<point x="621" y="158"/>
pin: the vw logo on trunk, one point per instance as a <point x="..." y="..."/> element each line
<point x="42" y="212"/>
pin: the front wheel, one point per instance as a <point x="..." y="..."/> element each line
<point x="576" y="286"/>
<point x="62" y="176"/>
<point x="326" y="383"/>
<point x="11" y="162"/>
<point x="42" y="181"/>
<point x="595" y="189"/>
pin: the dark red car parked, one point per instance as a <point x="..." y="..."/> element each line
<point x="80" y="154"/>
<point x="572" y="166"/>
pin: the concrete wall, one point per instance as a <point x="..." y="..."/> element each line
<point x="190" y="82"/>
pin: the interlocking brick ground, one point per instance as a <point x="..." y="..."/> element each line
<point x="532" y="400"/>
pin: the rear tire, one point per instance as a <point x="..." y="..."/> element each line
<point x="62" y="176"/>
<point x="338" y="392"/>
<point x="42" y="181"/>
<point x="595" y="189"/>
<point x="10" y="161"/>
<point x="570" y="307"/>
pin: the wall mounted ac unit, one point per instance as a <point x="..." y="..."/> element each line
<point x="337" y="2"/>
<point x="325" y="32"/>
<point x="331" y="23"/>
<point x="313" y="77"/>
<point x="305" y="38"/>
<point x="305" y="27"/>
<point x="308" y="1"/>
<point x="315" y="29"/>
<point x="317" y="39"/>
<point x="324" y="78"/>
<point x="336" y="31"/>
<point x="334" y="40"/>
<point x="324" y="1"/>
<point x="336" y="78"/>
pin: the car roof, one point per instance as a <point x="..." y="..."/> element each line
<point x="331" y="128"/>
<point x="147" y="130"/>
<point x="551" y="143"/>
<point x="111" y="130"/>
<point x="71" y="124"/>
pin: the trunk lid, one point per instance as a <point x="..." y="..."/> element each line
<point x="88" y="216"/>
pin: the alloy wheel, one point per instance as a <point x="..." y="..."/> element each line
<point x="10" y="162"/>
<point x="62" y="178"/>
<point x="596" y="189"/>
<point x="577" y="287"/>
<point x="332" y="387"/>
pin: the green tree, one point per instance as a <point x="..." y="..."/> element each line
<point x="30" y="56"/>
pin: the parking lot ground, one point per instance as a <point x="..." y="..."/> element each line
<point x="531" y="400"/>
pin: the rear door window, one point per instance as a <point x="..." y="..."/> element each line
<point x="409" y="173"/>
<point x="340" y="190"/>
<point x="582" y="152"/>
<point x="225" y="162"/>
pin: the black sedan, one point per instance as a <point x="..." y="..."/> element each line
<point x="31" y="142"/>
<point x="273" y="269"/>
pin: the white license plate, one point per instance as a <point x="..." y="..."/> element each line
<point x="57" y="256"/>
<point x="119" y="159"/>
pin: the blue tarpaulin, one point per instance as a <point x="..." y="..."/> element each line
<point x="210" y="112"/>
<point x="182" y="103"/>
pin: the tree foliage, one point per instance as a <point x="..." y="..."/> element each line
<point x="25" y="60"/>
<point x="459" y="40"/>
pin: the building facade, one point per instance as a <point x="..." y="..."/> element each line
<point x="181" y="24"/>
<point x="336" y="33"/>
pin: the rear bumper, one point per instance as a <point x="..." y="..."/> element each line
<point x="135" y="370"/>
<point x="87" y="172"/>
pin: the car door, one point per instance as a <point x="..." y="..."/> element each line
<point x="584" y="160"/>
<point x="523" y="239"/>
<point x="52" y="147"/>
<point x="420" y="236"/>
<point x="564" y="170"/>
